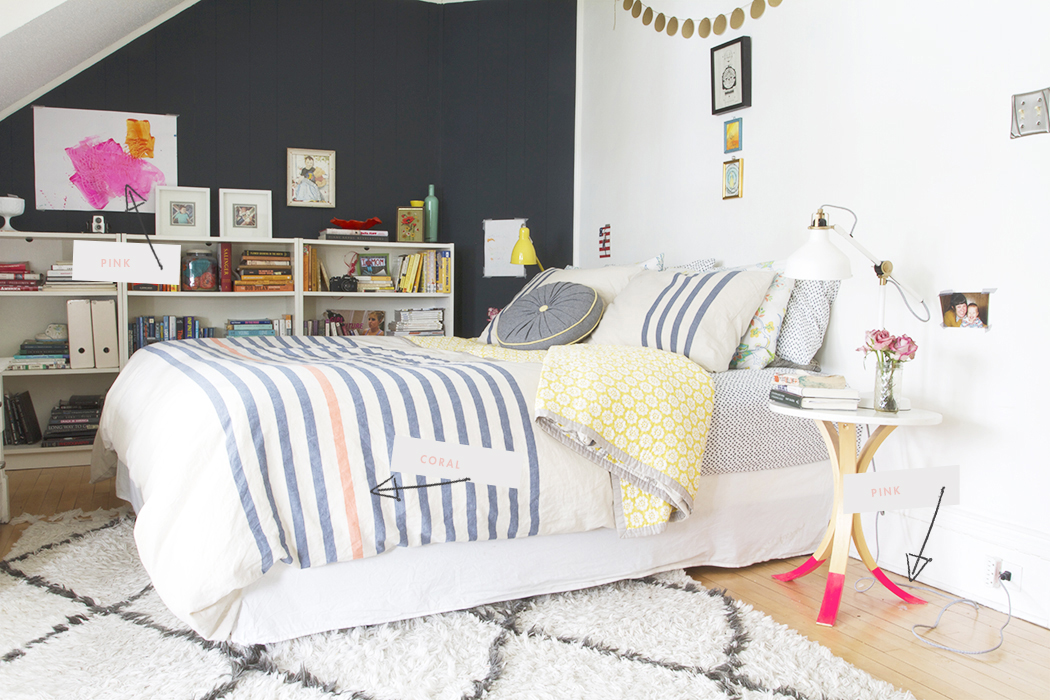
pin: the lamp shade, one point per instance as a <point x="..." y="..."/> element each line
<point x="523" y="253"/>
<point x="818" y="259"/>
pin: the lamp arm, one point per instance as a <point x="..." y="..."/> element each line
<point x="883" y="268"/>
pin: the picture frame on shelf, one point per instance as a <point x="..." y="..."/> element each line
<point x="374" y="264"/>
<point x="246" y="213"/>
<point x="183" y="212"/>
<point x="733" y="135"/>
<point x="731" y="75"/>
<point x="733" y="179"/>
<point x="311" y="178"/>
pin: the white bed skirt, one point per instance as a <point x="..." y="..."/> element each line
<point x="738" y="520"/>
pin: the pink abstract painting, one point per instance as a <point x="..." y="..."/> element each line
<point x="101" y="170"/>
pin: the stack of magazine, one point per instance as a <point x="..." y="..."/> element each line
<point x="815" y="391"/>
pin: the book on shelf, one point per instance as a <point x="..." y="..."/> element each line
<point x="146" y="330"/>
<point x="249" y="327"/>
<point x="260" y="253"/>
<point x="788" y="399"/>
<point x="21" y="426"/>
<point x="225" y="267"/>
<point x="23" y="276"/>
<point x="344" y="234"/>
<point x="239" y="286"/>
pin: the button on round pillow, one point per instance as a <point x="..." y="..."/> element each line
<point x="554" y="314"/>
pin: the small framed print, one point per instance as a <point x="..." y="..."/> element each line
<point x="410" y="224"/>
<point x="183" y="212"/>
<point x="731" y="75"/>
<point x="733" y="135"/>
<point x="372" y="265"/>
<point x="733" y="178"/>
<point x="245" y="213"/>
<point x="311" y="178"/>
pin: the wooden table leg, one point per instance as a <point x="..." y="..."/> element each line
<point x="821" y="552"/>
<point x="866" y="455"/>
<point x="829" y="607"/>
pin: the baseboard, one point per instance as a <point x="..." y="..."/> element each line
<point x="958" y="546"/>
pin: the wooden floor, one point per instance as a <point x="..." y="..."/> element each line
<point x="873" y="630"/>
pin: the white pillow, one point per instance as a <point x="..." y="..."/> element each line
<point x="607" y="281"/>
<point x="698" y="265"/>
<point x="699" y="316"/>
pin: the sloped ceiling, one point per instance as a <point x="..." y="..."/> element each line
<point x="52" y="47"/>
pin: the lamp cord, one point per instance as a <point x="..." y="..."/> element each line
<point x="908" y="304"/>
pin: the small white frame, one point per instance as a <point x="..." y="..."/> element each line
<point x="232" y="206"/>
<point x="196" y="199"/>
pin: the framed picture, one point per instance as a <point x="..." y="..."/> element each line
<point x="311" y="178"/>
<point x="733" y="178"/>
<point x="410" y="224"/>
<point x="731" y="75"/>
<point x="733" y="135"/>
<point x="373" y="264"/>
<point x="245" y="213"/>
<point x="183" y="212"/>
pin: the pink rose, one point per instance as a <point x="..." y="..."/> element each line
<point x="878" y="340"/>
<point x="903" y="348"/>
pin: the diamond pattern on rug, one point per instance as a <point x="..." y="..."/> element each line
<point x="82" y="620"/>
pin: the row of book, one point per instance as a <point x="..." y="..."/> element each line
<point x="72" y="422"/>
<point x="146" y="330"/>
<point x="375" y="322"/>
<point x="428" y="271"/>
<point x="813" y="391"/>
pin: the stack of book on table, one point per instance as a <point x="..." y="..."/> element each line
<point x="264" y="271"/>
<point x="815" y="391"/>
<point x="73" y="422"/>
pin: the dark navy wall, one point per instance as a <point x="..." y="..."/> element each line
<point x="477" y="98"/>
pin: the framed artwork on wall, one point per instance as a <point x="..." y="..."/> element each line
<point x="183" y="212"/>
<point x="733" y="178"/>
<point x="733" y="135"/>
<point x="731" y="75"/>
<point x="311" y="178"/>
<point x="245" y="213"/>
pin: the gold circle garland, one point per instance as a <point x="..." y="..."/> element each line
<point x="703" y="28"/>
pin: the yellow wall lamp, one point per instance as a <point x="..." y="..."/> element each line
<point x="524" y="253"/>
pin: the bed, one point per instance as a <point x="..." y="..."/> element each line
<point x="286" y="486"/>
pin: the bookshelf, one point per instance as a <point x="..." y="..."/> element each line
<point x="334" y="255"/>
<point x="23" y="314"/>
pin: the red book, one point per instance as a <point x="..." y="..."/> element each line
<point x="225" y="268"/>
<point x="14" y="266"/>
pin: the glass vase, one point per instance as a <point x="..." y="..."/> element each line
<point x="887" y="373"/>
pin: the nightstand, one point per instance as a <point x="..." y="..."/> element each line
<point x="839" y="431"/>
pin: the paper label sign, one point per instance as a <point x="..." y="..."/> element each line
<point x="105" y="261"/>
<point x="900" y="489"/>
<point x="446" y="460"/>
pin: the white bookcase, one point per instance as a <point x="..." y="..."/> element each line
<point x="24" y="314"/>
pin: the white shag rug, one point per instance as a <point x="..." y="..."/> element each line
<point x="79" y="619"/>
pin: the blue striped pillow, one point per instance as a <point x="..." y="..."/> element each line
<point x="700" y="316"/>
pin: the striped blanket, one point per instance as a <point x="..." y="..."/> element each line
<point x="251" y="453"/>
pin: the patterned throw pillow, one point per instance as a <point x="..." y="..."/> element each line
<point x="759" y="343"/>
<point x="699" y="265"/>
<point x="806" y="321"/>
<point x="607" y="281"/>
<point x="699" y="316"/>
<point x="562" y="313"/>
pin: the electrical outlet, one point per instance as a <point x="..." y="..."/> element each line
<point x="1016" y="572"/>
<point x="993" y="566"/>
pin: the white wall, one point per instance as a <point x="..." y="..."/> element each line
<point x="900" y="111"/>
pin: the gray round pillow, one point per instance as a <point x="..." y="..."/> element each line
<point x="554" y="314"/>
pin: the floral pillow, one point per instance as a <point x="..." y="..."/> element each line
<point x="758" y="345"/>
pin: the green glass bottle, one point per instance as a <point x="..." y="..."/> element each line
<point x="430" y="217"/>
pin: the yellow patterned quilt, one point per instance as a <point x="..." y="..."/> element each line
<point x="642" y="414"/>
